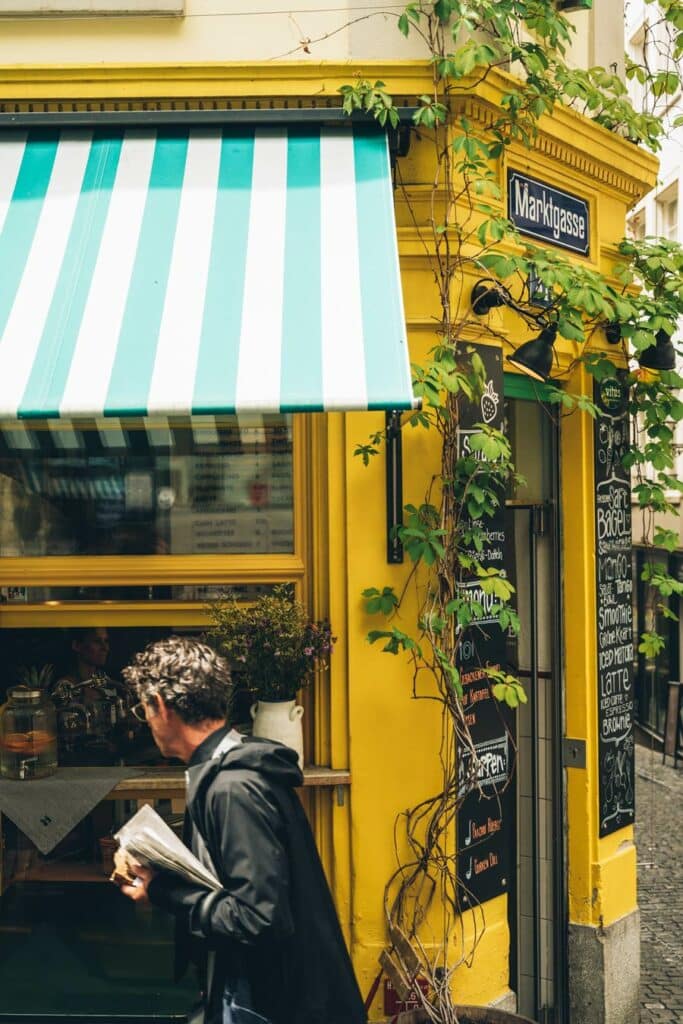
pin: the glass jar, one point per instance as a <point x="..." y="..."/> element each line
<point x="28" y="735"/>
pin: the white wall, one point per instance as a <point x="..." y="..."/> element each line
<point x="213" y="30"/>
<point x="241" y="30"/>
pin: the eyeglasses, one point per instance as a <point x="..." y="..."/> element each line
<point x="139" y="711"/>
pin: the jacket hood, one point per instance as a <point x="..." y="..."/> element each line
<point x="276" y="762"/>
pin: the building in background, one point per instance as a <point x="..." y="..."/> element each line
<point x="657" y="215"/>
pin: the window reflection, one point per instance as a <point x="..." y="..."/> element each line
<point x="183" y="592"/>
<point x="202" y="487"/>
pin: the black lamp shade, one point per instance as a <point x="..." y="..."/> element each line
<point x="613" y="332"/>
<point x="661" y="356"/>
<point x="535" y="357"/>
<point x="485" y="298"/>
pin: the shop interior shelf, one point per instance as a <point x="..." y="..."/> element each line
<point x="169" y="782"/>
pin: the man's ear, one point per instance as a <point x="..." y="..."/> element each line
<point x="160" y="706"/>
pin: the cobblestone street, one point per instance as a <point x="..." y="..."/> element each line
<point x="659" y="837"/>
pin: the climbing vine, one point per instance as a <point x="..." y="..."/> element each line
<point x="521" y="46"/>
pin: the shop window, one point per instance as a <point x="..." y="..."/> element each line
<point x="212" y="488"/>
<point x="654" y="674"/>
<point x="129" y="529"/>
<point x="60" y="918"/>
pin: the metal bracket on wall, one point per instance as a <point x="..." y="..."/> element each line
<point x="394" y="484"/>
<point x="573" y="753"/>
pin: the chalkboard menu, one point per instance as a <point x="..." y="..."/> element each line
<point x="486" y="818"/>
<point x="614" y="582"/>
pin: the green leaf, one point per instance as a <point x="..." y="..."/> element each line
<point x="570" y="330"/>
<point x="667" y="539"/>
<point x="365" y="451"/>
<point x="651" y="644"/>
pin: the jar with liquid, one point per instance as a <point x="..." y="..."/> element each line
<point x="28" y="735"/>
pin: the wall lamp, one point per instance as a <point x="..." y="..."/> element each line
<point x="660" y="356"/>
<point x="533" y="357"/>
<point x="612" y="331"/>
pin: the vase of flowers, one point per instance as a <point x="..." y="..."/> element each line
<point x="274" y="650"/>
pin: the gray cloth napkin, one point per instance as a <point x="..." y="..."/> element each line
<point x="47" y="809"/>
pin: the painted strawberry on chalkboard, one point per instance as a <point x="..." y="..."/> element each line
<point x="489" y="403"/>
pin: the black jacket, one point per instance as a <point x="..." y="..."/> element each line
<point x="273" y="926"/>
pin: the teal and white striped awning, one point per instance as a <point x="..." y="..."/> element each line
<point x="160" y="273"/>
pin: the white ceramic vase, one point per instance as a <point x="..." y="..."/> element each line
<point x="280" y="720"/>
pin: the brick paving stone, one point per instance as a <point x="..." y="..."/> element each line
<point x="659" y="839"/>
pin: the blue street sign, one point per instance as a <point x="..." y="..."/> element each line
<point x="548" y="213"/>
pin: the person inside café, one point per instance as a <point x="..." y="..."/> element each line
<point x="92" y="708"/>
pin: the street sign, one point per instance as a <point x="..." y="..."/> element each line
<point x="548" y="213"/>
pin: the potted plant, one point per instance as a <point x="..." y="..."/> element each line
<point x="274" y="650"/>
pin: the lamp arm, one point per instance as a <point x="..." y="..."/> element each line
<point x="507" y="300"/>
<point x="535" y="318"/>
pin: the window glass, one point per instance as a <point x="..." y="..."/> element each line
<point x="669" y="218"/>
<point x="198" y="593"/>
<point x="70" y="944"/>
<point x="205" y="487"/>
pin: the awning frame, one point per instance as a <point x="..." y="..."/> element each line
<point x="196" y="116"/>
<point x="399" y="137"/>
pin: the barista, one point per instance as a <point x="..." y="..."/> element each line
<point x="90" y="647"/>
<point x="92" y="708"/>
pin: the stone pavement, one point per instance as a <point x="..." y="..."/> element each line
<point x="659" y="838"/>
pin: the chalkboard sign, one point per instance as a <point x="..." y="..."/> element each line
<point x="614" y="581"/>
<point x="486" y="819"/>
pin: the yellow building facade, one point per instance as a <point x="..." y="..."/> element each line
<point x="379" y="746"/>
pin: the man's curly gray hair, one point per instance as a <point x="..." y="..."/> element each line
<point x="188" y="675"/>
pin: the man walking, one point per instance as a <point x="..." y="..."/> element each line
<point x="268" y="943"/>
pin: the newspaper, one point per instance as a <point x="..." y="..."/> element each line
<point x="149" y="840"/>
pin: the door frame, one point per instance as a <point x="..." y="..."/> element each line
<point x="524" y="388"/>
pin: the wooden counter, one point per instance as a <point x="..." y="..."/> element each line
<point x="169" y="783"/>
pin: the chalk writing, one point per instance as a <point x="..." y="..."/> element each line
<point x="614" y="588"/>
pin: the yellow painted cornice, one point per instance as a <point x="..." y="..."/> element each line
<point x="566" y="138"/>
<point x="277" y="79"/>
<point x="571" y="130"/>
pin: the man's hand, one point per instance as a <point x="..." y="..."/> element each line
<point x="138" y="890"/>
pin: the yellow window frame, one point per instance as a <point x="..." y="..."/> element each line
<point x="159" y="570"/>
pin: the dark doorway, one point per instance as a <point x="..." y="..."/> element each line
<point x="537" y="906"/>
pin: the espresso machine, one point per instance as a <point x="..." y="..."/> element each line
<point x="94" y="718"/>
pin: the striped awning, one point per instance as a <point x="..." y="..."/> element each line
<point x="107" y="436"/>
<point x="155" y="272"/>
